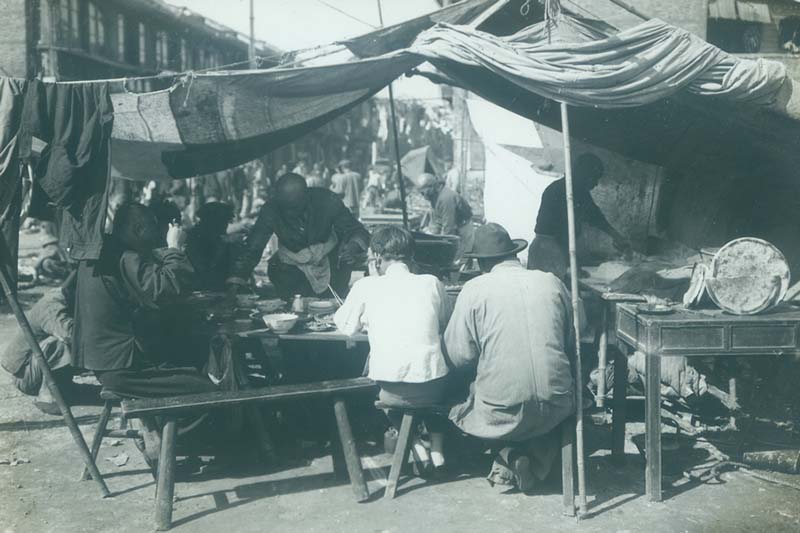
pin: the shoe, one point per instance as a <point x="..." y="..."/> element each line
<point x="49" y="408"/>
<point x="523" y="476"/>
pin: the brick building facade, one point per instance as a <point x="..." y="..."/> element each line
<point x="95" y="39"/>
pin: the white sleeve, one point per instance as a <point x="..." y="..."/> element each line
<point x="349" y="318"/>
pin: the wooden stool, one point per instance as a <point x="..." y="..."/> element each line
<point x="411" y="416"/>
<point x="110" y="400"/>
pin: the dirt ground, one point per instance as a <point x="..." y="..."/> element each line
<point x="45" y="494"/>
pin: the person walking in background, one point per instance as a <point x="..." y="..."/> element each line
<point x="347" y="184"/>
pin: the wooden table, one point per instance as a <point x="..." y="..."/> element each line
<point x="693" y="334"/>
<point x="329" y="336"/>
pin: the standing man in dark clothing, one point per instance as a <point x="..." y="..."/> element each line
<point x="123" y="330"/>
<point x="549" y="251"/>
<point x="320" y="241"/>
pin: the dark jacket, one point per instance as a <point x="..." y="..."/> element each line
<point x="122" y="316"/>
<point x="325" y="213"/>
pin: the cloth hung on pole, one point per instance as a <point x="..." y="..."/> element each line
<point x="12" y="93"/>
<point x="75" y="120"/>
<point x="634" y="67"/>
<point x="210" y="122"/>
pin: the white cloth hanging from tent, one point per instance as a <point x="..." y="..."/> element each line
<point x="512" y="185"/>
<point x="512" y="192"/>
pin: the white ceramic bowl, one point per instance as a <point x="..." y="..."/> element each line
<point x="280" y="322"/>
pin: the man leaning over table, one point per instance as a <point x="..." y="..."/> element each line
<point x="511" y="330"/>
<point x="320" y="241"/>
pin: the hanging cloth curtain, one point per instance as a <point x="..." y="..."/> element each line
<point x="75" y="120"/>
<point x="12" y="93"/>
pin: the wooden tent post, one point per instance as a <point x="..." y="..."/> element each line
<point x="400" y="179"/>
<point x="51" y="384"/>
<point x="576" y="321"/>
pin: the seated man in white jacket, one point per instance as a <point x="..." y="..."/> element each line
<point x="406" y="314"/>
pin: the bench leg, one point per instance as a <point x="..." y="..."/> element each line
<point x="253" y="412"/>
<point x="400" y="455"/>
<point x="165" y="487"/>
<point x="99" y="433"/>
<point x="567" y="466"/>
<point x="351" y="456"/>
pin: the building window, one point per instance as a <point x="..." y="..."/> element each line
<point x="142" y="44"/>
<point x="97" y="28"/>
<point x="74" y="21"/>
<point x="121" y="37"/>
<point x="162" y="49"/>
<point x="184" y="56"/>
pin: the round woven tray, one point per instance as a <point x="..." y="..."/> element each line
<point x="748" y="276"/>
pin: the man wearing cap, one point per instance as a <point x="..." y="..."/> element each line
<point x="450" y="214"/>
<point x="347" y="184"/>
<point x="320" y="241"/>
<point x="550" y="247"/>
<point x="511" y="335"/>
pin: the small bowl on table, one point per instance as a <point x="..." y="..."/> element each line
<point x="321" y="307"/>
<point x="280" y="323"/>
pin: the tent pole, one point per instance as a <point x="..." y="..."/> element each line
<point x="627" y="7"/>
<point x="486" y="15"/>
<point x="400" y="180"/>
<point x="251" y="48"/>
<point x="576" y="321"/>
<point x="51" y="384"/>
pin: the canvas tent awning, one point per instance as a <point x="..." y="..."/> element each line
<point x="208" y="122"/>
<point x="211" y="122"/>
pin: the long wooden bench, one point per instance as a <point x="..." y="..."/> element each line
<point x="171" y="408"/>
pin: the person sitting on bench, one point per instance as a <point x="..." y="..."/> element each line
<point x="405" y="314"/>
<point x="510" y="335"/>
<point x="51" y="322"/>
<point x="122" y="325"/>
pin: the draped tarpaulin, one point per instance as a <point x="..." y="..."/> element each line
<point x="637" y="66"/>
<point x="12" y="93"/>
<point x="211" y="122"/>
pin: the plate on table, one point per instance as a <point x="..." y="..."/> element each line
<point x="319" y="327"/>
<point x="270" y="306"/>
<point x="654" y="309"/>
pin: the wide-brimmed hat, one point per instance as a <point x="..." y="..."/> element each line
<point x="344" y="163"/>
<point x="492" y="240"/>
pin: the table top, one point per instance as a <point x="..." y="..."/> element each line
<point x="710" y="332"/>
<point x="308" y="336"/>
<point x="781" y="313"/>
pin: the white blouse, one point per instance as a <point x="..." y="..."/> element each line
<point x="406" y="314"/>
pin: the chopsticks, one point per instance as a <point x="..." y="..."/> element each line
<point x="336" y="296"/>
